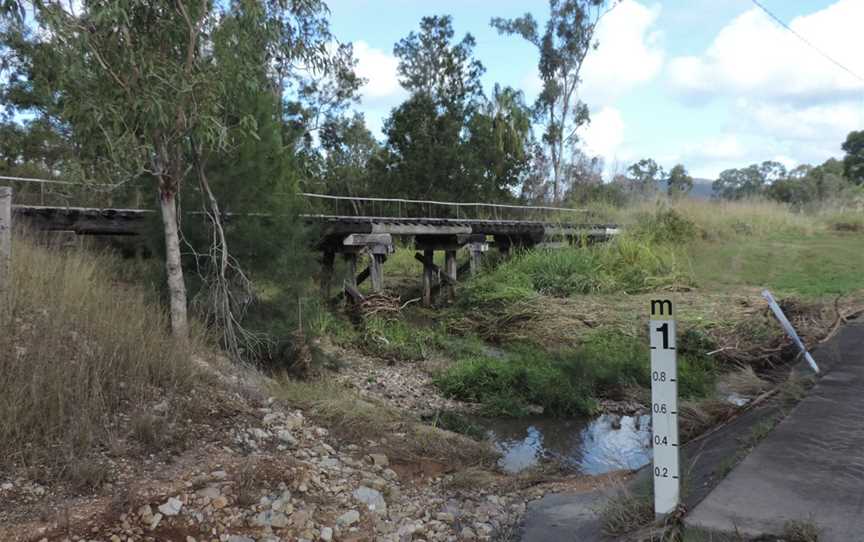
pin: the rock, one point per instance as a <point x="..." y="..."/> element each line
<point x="379" y="460"/>
<point x="286" y="437"/>
<point x="209" y="492"/>
<point x="145" y="511"/>
<point x="446" y="517"/>
<point x="269" y="518"/>
<point x="348" y="518"/>
<point x="219" y="502"/>
<point x="171" y="507"/>
<point x="155" y="521"/>
<point x="371" y="498"/>
<point x="467" y="534"/>
<point x="293" y="422"/>
<point x="238" y="538"/>
<point x="326" y="534"/>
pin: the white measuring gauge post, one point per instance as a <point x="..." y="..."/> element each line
<point x="664" y="407"/>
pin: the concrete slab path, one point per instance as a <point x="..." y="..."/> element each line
<point x="811" y="467"/>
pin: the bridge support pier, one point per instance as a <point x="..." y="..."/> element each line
<point x="428" y="276"/>
<point x="475" y="256"/>
<point x="450" y="269"/>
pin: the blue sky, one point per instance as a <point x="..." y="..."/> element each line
<point x="709" y="83"/>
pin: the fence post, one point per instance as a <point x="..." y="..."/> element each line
<point x="5" y="241"/>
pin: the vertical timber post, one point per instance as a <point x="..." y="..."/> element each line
<point x="327" y="262"/>
<point x="450" y="268"/>
<point x="352" y="269"/>
<point x="5" y="243"/>
<point x="475" y="256"/>
<point x="428" y="260"/>
<point x="376" y="268"/>
<point x="664" y="408"/>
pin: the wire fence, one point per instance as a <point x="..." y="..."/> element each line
<point x="411" y="208"/>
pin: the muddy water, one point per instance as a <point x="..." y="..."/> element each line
<point x="595" y="446"/>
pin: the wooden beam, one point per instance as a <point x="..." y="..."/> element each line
<point x="419" y="229"/>
<point x="361" y="239"/>
<point x="354" y="294"/>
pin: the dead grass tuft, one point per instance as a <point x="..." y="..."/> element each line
<point x="744" y="382"/>
<point x="800" y="531"/>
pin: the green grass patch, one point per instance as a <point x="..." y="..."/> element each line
<point x="816" y="265"/>
<point x="565" y="383"/>
<point x="624" y="264"/>
<point x="398" y="340"/>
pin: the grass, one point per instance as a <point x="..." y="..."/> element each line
<point x="817" y="265"/>
<point x="78" y="348"/>
<point x="566" y="382"/>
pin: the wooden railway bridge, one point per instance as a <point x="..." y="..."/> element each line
<point x="372" y="227"/>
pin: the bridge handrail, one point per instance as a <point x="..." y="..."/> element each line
<point x="444" y="203"/>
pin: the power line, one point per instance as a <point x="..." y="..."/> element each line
<point x="808" y="42"/>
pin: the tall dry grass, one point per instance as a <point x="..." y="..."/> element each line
<point x="78" y="349"/>
<point x="728" y="219"/>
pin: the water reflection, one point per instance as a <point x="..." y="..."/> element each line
<point x="601" y="445"/>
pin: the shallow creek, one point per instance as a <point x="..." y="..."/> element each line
<point x="596" y="446"/>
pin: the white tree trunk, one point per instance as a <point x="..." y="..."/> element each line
<point x="173" y="266"/>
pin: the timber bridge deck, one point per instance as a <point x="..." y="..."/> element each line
<point x="365" y="235"/>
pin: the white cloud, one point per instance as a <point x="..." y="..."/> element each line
<point x="378" y="67"/>
<point x="630" y="53"/>
<point x="604" y="135"/>
<point x="754" y="56"/>
<point x="785" y="101"/>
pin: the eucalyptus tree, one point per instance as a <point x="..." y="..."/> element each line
<point x="141" y="78"/>
<point x="563" y="44"/>
<point x="679" y="182"/>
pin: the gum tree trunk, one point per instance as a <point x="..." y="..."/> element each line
<point x="173" y="265"/>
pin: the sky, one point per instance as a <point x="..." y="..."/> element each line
<point x="712" y="84"/>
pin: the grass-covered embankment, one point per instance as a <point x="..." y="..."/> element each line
<point x="84" y="357"/>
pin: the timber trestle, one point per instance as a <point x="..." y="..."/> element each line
<point x="353" y="236"/>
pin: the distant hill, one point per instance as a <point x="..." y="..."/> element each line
<point x="702" y="189"/>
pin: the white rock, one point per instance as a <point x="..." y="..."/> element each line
<point x="171" y="507"/>
<point x="326" y="534"/>
<point x="348" y="518"/>
<point x="379" y="460"/>
<point x="371" y="498"/>
<point x="286" y="437"/>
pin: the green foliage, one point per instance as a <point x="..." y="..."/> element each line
<point x="447" y="142"/>
<point x="645" y="176"/>
<point x="666" y="225"/>
<point x="562" y="45"/>
<point x="568" y="382"/>
<point x="853" y="162"/>
<point x="624" y="264"/>
<point x="397" y="340"/>
<point x="679" y="183"/>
